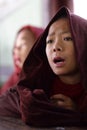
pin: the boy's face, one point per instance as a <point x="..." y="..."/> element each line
<point x="24" y="42"/>
<point x="60" y="49"/>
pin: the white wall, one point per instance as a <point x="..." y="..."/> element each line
<point x="30" y="12"/>
<point x="80" y="8"/>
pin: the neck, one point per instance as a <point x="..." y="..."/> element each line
<point x="70" y="79"/>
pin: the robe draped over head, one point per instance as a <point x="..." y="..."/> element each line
<point x="36" y="65"/>
<point x="37" y="77"/>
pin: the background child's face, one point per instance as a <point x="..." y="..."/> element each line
<point x="60" y="48"/>
<point x="24" y="42"/>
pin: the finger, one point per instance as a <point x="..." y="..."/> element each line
<point x="59" y="97"/>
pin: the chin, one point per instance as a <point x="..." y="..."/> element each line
<point x="60" y="71"/>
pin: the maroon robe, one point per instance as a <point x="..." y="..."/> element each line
<point x="30" y="99"/>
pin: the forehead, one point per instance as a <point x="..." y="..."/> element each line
<point x="25" y="33"/>
<point x="62" y="23"/>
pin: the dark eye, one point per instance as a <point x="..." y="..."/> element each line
<point x="68" y="39"/>
<point x="49" y="41"/>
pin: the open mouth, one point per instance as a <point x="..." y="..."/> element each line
<point x="58" y="60"/>
<point x="17" y="61"/>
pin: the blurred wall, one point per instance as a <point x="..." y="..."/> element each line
<point x="29" y="12"/>
<point x="52" y="6"/>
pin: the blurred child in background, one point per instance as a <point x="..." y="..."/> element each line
<point x="24" y="41"/>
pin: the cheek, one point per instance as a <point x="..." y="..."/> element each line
<point x="72" y="59"/>
<point x="47" y="52"/>
<point x="28" y="47"/>
<point x="70" y="51"/>
<point x="26" y="51"/>
<point x="23" y="53"/>
<point x="72" y="54"/>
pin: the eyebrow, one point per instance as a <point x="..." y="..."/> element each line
<point x="61" y="33"/>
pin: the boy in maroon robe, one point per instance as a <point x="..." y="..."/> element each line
<point x="53" y="86"/>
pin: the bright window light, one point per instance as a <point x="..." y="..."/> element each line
<point x="80" y="8"/>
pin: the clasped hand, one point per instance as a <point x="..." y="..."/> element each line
<point x="63" y="101"/>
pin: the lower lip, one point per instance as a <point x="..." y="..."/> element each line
<point x="59" y="64"/>
<point x="17" y="61"/>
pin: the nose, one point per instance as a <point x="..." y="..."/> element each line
<point x="18" y="47"/>
<point x="16" y="50"/>
<point x="57" y="46"/>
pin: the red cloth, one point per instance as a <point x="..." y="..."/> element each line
<point x="11" y="82"/>
<point x="73" y="91"/>
<point x="38" y="111"/>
